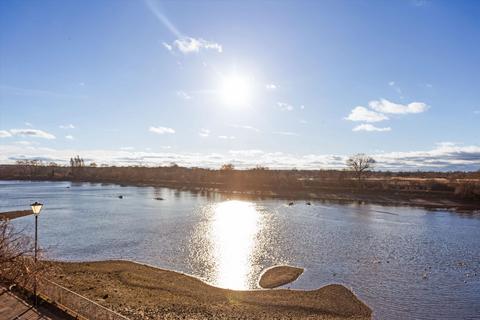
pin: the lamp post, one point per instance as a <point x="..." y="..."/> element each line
<point x="36" y="208"/>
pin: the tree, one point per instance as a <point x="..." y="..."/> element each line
<point x="77" y="162"/>
<point x="16" y="257"/>
<point x="227" y="167"/>
<point x="359" y="163"/>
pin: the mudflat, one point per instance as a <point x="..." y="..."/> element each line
<point x="144" y="292"/>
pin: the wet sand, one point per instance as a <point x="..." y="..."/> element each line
<point x="143" y="292"/>
<point x="278" y="276"/>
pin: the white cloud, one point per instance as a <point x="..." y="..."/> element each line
<point x="226" y="137"/>
<point x="167" y="46"/>
<point x="183" y="95"/>
<point x="69" y="137"/>
<point x="128" y="148"/>
<point x="28" y="124"/>
<point x="286" y="133"/>
<point x="302" y="107"/>
<point x="441" y="157"/>
<point x="5" y="134"/>
<point x="188" y="45"/>
<point x="271" y="86"/>
<point x="303" y="121"/>
<point x="24" y="143"/>
<point x="31" y="133"/>
<point x="161" y="130"/>
<point x="66" y="126"/>
<point x="369" y="127"/>
<point x="284" y="106"/>
<point x="204" y="133"/>
<point x="385" y="106"/>
<point x="363" y="114"/>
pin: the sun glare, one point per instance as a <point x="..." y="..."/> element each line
<point x="236" y="90"/>
<point x="233" y="230"/>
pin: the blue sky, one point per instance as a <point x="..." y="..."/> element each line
<point x="284" y="84"/>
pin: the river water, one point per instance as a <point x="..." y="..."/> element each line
<point x="405" y="263"/>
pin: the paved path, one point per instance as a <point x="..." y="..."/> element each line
<point x="13" y="308"/>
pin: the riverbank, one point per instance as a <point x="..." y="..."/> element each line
<point x="433" y="190"/>
<point x="143" y="292"/>
<point x="430" y="201"/>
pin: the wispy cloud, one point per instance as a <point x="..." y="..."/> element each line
<point x="285" y="133"/>
<point x="192" y="45"/>
<point x="24" y="143"/>
<point x="363" y="114"/>
<point x="285" y="106"/>
<point x="204" y="133"/>
<point x="167" y="46"/>
<point x="271" y="86"/>
<point x="183" y="95"/>
<point x="16" y="91"/>
<point x="396" y="87"/>
<point x="69" y="137"/>
<point x="385" y="106"/>
<point x="127" y="148"/>
<point x="370" y="127"/>
<point x="161" y="130"/>
<point x="226" y="137"/>
<point x="34" y="133"/>
<point x="246" y="127"/>
<point x="66" y="126"/>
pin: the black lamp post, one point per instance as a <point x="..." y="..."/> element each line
<point x="36" y="208"/>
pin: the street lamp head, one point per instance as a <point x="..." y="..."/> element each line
<point x="36" y="207"/>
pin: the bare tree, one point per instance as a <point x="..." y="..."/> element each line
<point x="359" y="163"/>
<point x="227" y="167"/>
<point x="16" y="257"/>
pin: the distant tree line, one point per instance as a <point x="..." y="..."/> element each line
<point x="357" y="177"/>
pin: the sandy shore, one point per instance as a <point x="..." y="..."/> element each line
<point x="143" y="292"/>
<point x="278" y="276"/>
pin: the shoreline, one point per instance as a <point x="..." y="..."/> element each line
<point x="406" y="199"/>
<point x="142" y="291"/>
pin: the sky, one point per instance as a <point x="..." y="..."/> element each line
<point x="283" y="84"/>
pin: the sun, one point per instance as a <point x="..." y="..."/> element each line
<point x="236" y="90"/>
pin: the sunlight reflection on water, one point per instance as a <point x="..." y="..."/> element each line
<point x="233" y="229"/>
